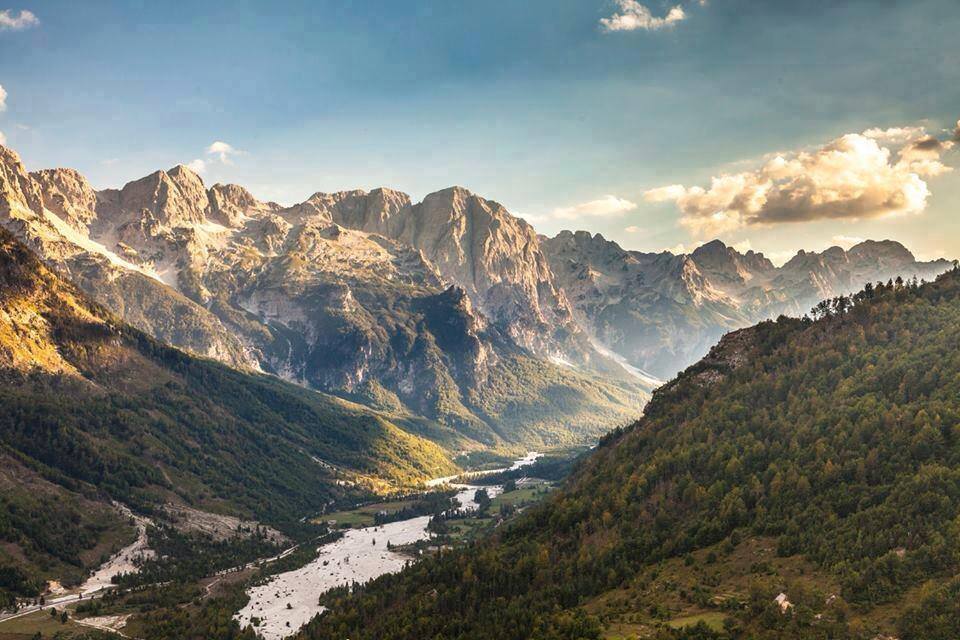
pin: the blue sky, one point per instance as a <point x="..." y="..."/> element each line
<point x="536" y="104"/>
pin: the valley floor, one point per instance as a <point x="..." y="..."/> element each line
<point x="289" y="600"/>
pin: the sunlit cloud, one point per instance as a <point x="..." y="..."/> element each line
<point x="632" y="16"/>
<point x="681" y="248"/>
<point x="605" y="206"/>
<point x="874" y="174"/>
<point x="24" y="20"/>
<point x="218" y="151"/>
<point x="223" y="151"/>
<point x="3" y="98"/>
<point x="846" y="241"/>
<point x="3" y="138"/>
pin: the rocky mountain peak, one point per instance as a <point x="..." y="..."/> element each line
<point x="888" y="252"/>
<point x="174" y="198"/>
<point x="495" y="256"/>
<point x="16" y="186"/>
<point x="372" y="212"/>
<point x="727" y="266"/>
<point x="67" y="193"/>
<point x="230" y="204"/>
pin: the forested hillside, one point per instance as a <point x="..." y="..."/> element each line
<point x="94" y="411"/>
<point x="813" y="459"/>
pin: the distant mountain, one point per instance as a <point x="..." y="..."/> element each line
<point x="445" y="310"/>
<point x="800" y="481"/>
<point x="450" y="309"/>
<point x="662" y="311"/>
<point x="95" y="411"/>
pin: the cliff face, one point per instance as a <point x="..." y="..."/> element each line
<point x="663" y="311"/>
<point x="346" y="292"/>
<point x="422" y="309"/>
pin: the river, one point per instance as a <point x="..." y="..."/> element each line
<point x="290" y="600"/>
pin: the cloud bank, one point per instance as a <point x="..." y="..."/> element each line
<point x="633" y="15"/>
<point x="605" y="206"/>
<point x="24" y="20"/>
<point x="874" y="174"/>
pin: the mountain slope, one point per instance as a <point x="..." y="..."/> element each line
<point x="377" y="313"/>
<point x="662" y="311"/>
<point x="94" y="411"/>
<point x="815" y="459"/>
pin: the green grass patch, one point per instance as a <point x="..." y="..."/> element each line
<point x="712" y="619"/>
<point x="363" y="516"/>
<point x="25" y="627"/>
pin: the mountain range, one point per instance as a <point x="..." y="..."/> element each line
<point x="800" y="481"/>
<point x="96" y="412"/>
<point x="661" y="312"/>
<point x="175" y="347"/>
<point x="445" y="310"/>
<point x="450" y="309"/>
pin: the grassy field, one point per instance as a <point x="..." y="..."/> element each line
<point x="363" y="516"/>
<point x="713" y="620"/>
<point x="521" y="497"/>
<point x="26" y="627"/>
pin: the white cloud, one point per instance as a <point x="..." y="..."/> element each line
<point x="633" y="229"/>
<point x="896" y="135"/>
<point x="633" y="16"/>
<point x="10" y="22"/>
<point x="665" y="194"/>
<point x="852" y="177"/>
<point x="3" y="138"/>
<point x="222" y="150"/>
<point x="846" y="241"/>
<point x="531" y="217"/>
<point x="3" y="98"/>
<point x="680" y="248"/>
<point x="606" y="206"/>
<point x="780" y="258"/>
<point x="743" y="246"/>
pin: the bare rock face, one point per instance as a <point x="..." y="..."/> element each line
<point x="496" y="258"/>
<point x="662" y="312"/>
<point x="415" y="305"/>
<point x="67" y="194"/>
<point x="53" y="212"/>
<point x="16" y="186"/>
<point x="351" y="292"/>
<point x="231" y="204"/>
<point x="171" y="198"/>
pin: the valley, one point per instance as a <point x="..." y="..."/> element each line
<point x="280" y="604"/>
<point x="264" y="466"/>
<point x="288" y="601"/>
<point x="432" y="320"/>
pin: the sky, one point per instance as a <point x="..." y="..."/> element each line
<point x="774" y="125"/>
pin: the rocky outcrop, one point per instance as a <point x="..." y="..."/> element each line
<point x="351" y="293"/>
<point x="67" y="193"/>
<point x="663" y="311"/>
<point x="231" y="205"/>
<point x="17" y="188"/>
<point x="497" y="259"/>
